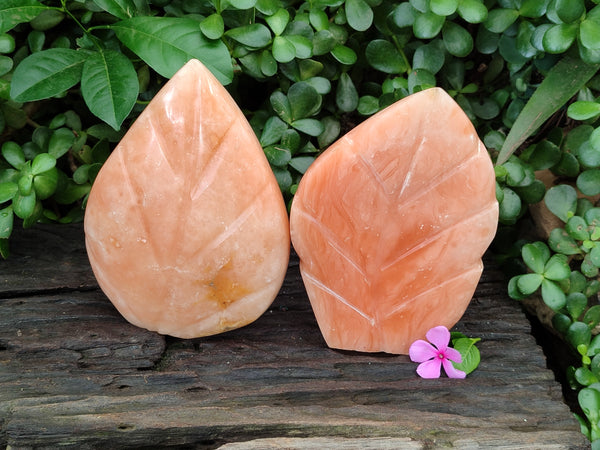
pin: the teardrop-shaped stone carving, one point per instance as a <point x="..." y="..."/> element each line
<point x="186" y="228"/>
<point x="390" y="224"/>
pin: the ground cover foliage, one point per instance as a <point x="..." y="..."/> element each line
<point x="74" y="75"/>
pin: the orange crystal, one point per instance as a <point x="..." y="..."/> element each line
<point x="390" y="224"/>
<point x="186" y="228"/>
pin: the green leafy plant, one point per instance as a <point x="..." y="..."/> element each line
<point x="74" y="75"/>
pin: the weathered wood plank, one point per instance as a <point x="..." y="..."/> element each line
<point x="74" y="373"/>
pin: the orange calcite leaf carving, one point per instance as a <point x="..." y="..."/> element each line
<point x="186" y="228"/>
<point x="390" y="224"/>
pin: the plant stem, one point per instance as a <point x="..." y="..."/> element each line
<point x="79" y="24"/>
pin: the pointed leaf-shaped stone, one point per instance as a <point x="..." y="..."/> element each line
<point x="390" y="224"/>
<point x="186" y="228"/>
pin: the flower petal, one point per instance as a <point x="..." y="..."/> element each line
<point x="439" y="336"/>
<point x="430" y="369"/>
<point x="453" y="355"/>
<point x="421" y="351"/>
<point x="451" y="371"/>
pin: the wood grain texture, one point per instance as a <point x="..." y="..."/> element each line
<point x="74" y="373"/>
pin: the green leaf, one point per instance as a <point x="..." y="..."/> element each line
<point x="545" y="155"/>
<point x="561" y="83"/>
<point x="278" y="156"/>
<point x="240" y="4"/>
<point x="589" y="400"/>
<point x="561" y="200"/>
<point x="532" y="193"/>
<point x="346" y="96"/>
<point x="485" y="108"/>
<point x="430" y="57"/>
<point x="535" y="256"/>
<point x="443" y="7"/>
<point x="592" y="216"/>
<point x="49" y="19"/>
<point x="419" y="79"/>
<point x="109" y="86"/>
<point x="523" y="42"/>
<point x="303" y="46"/>
<point x="588" y="182"/>
<point x="13" y="153"/>
<point x="268" y="7"/>
<point x="281" y="106"/>
<point x="457" y="40"/>
<point x="301" y="163"/>
<point x="513" y="289"/>
<point x="8" y="190"/>
<point x="561" y="322"/>
<point x="278" y="21"/>
<point x="25" y="183"/>
<point x="24" y="205"/>
<point x="473" y="11"/>
<point x="529" y="283"/>
<point x="595" y="256"/>
<point x="60" y="142"/>
<point x="268" y="65"/>
<point x="330" y="133"/>
<point x="469" y="352"/>
<point x="14" y="12"/>
<point x="500" y="19"/>
<point x="592" y="317"/>
<point x="553" y="295"/>
<point x="167" y="43"/>
<point x="6" y="223"/>
<point x="569" y="10"/>
<point x="584" y="376"/>
<point x="576" y="227"/>
<point x="123" y="9"/>
<point x="312" y="127"/>
<point x="583" y="110"/>
<point x="579" y="333"/>
<point x="576" y="304"/>
<point x="319" y="19"/>
<point x="359" y="14"/>
<point x="533" y="8"/>
<point x="367" y="105"/>
<point x="404" y="15"/>
<point x="588" y="155"/>
<point x="559" y="37"/>
<point x="420" y="5"/>
<point x="283" y="50"/>
<point x="255" y="35"/>
<point x="47" y="73"/>
<point x="6" y="65"/>
<point x="588" y="268"/>
<point x="213" y="26"/>
<point x="273" y="131"/>
<point x="321" y="85"/>
<point x="324" y="42"/>
<point x="284" y="178"/>
<point x="383" y="56"/>
<point x="7" y="43"/>
<point x="45" y="184"/>
<point x="557" y="268"/>
<point x="42" y="163"/>
<point x="510" y="207"/>
<point x="344" y="54"/>
<point x="589" y="33"/>
<point x="304" y="100"/>
<point x="428" y="25"/>
<point x="567" y="166"/>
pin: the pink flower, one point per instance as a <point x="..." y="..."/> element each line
<point x="433" y="357"/>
